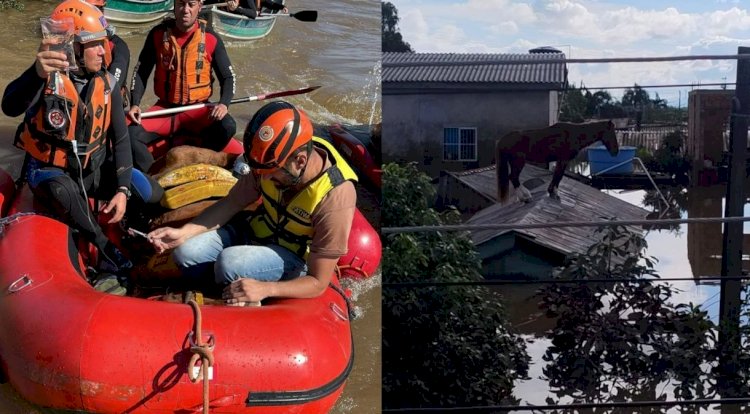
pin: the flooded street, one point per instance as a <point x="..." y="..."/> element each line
<point x="686" y="251"/>
<point x="340" y="52"/>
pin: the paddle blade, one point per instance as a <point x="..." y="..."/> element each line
<point x="272" y="95"/>
<point x="287" y="93"/>
<point x="305" y="15"/>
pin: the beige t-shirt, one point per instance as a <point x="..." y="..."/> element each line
<point x="332" y="218"/>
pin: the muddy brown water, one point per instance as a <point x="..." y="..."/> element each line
<point x="340" y="52"/>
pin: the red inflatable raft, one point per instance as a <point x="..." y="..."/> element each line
<point x="65" y="345"/>
<point x="356" y="153"/>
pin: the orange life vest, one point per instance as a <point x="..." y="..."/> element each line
<point x="183" y="74"/>
<point x="61" y="116"/>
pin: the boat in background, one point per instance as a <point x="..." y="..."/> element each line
<point x="238" y="27"/>
<point x="136" y="11"/>
<point x="355" y="151"/>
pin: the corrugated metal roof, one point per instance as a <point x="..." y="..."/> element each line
<point x="472" y="68"/>
<point x="578" y="202"/>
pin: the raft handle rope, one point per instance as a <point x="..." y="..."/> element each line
<point x="22" y="283"/>
<point x="336" y="309"/>
<point x="351" y="266"/>
<point x="349" y="308"/>
<point x="202" y="351"/>
<point x="12" y="219"/>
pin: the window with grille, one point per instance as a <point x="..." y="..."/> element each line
<point x="459" y="144"/>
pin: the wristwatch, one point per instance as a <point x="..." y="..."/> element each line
<point x="126" y="191"/>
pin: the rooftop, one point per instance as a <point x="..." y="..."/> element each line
<point x="578" y="202"/>
<point x="475" y="68"/>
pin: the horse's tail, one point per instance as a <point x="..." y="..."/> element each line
<point x="502" y="159"/>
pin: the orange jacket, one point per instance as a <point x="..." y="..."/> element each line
<point x="62" y="116"/>
<point x="183" y="75"/>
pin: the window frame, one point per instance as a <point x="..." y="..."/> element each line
<point x="457" y="147"/>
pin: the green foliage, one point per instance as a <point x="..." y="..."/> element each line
<point x="669" y="158"/>
<point x="392" y="41"/>
<point x="442" y="346"/>
<point x="743" y="364"/>
<point x="578" y="104"/>
<point x="636" y="97"/>
<point x="617" y="341"/>
<point x="574" y="105"/>
<point x="11" y="4"/>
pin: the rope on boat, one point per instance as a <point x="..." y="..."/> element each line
<point x="337" y="289"/>
<point x="358" y="269"/>
<point x="11" y="219"/>
<point x="202" y="351"/>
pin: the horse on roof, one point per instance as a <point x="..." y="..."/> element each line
<point x="559" y="142"/>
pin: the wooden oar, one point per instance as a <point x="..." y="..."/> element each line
<point x="251" y="98"/>
<point x="303" y="16"/>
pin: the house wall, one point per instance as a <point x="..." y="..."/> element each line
<point x="501" y="257"/>
<point x="413" y="123"/>
<point x="554" y="106"/>
<point x="452" y="192"/>
<point x="708" y="115"/>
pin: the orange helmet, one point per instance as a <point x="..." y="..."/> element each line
<point x="89" y="23"/>
<point x="97" y="3"/>
<point x="274" y="132"/>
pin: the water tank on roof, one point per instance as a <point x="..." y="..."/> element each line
<point x="544" y="49"/>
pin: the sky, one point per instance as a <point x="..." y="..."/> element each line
<point x="591" y="29"/>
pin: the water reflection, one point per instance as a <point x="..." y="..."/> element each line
<point x="683" y="251"/>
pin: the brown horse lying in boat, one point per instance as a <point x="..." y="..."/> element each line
<point x="559" y="142"/>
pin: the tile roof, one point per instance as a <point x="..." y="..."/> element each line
<point x="473" y="68"/>
<point x="578" y="202"/>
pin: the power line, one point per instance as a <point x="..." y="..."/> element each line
<point x="399" y="285"/>
<point x="677" y="85"/>
<point x="606" y="223"/>
<point x="562" y="59"/>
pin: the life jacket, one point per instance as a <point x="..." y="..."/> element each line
<point x="183" y="75"/>
<point x="61" y="116"/>
<point x="290" y="225"/>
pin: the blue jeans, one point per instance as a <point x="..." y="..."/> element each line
<point x="228" y="252"/>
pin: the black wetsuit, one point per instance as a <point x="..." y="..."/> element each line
<point x="217" y="135"/>
<point x="120" y="60"/>
<point x="60" y="189"/>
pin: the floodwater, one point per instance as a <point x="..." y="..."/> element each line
<point x="340" y="52"/>
<point x="689" y="251"/>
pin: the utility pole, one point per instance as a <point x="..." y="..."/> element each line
<point x="731" y="258"/>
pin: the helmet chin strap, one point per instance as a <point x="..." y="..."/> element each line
<point x="295" y="179"/>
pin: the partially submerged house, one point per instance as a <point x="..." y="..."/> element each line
<point x="531" y="253"/>
<point x="446" y="110"/>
